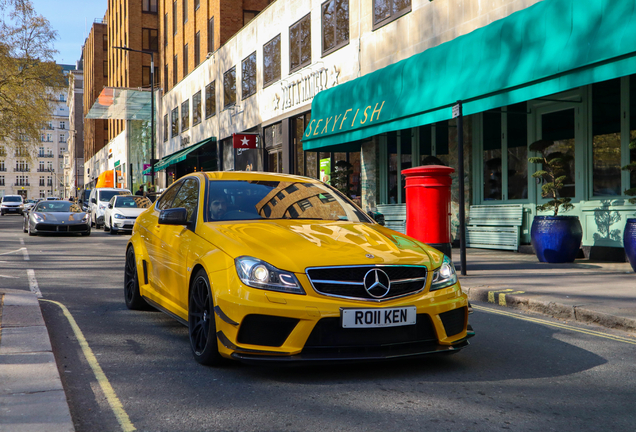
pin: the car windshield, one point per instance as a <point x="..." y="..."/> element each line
<point x="12" y="199"/>
<point x="241" y="200"/>
<point x="57" y="207"/>
<point x="132" y="202"/>
<point x="107" y="195"/>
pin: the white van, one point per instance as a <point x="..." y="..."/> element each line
<point x="11" y="204"/>
<point x="98" y="201"/>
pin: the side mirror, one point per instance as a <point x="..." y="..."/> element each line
<point x="110" y="206"/>
<point x="376" y="216"/>
<point x="94" y="200"/>
<point x="173" y="216"/>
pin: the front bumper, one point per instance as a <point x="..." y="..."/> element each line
<point x="16" y="210"/>
<point x="257" y="326"/>
<point x="62" y="228"/>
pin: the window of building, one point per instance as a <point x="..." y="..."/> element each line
<point x="185" y="115"/>
<point x="385" y="11"/>
<point x="185" y="11"/>
<point x="335" y="25"/>
<point x="165" y="29"/>
<point x="175" y="63"/>
<point x="62" y="125"/>
<point x="105" y="68"/>
<point x="271" y="61"/>
<point x="174" y="17"/>
<point x="300" y="44"/>
<point x="197" y="3"/>
<point x="149" y="6"/>
<point x="150" y="39"/>
<point x="196" y="108"/>
<point x="197" y="49"/>
<point x="248" y="15"/>
<point x="145" y="76"/>
<point x="211" y="35"/>
<point x="165" y="128"/>
<point x="165" y="77"/>
<point x="210" y="100"/>
<point x="105" y="43"/>
<point x="606" y="138"/>
<point x="248" y="76"/>
<point x="229" y="87"/>
<point x="185" y="60"/>
<point x="175" y="122"/>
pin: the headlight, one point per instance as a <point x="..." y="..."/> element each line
<point x="444" y="276"/>
<point x="259" y="274"/>
<point x="86" y="217"/>
<point x="118" y="216"/>
<point x="21" y="206"/>
<point x="38" y="217"/>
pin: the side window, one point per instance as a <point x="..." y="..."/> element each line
<point x="168" y="196"/>
<point x="188" y="198"/>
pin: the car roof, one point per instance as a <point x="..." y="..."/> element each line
<point x="255" y="175"/>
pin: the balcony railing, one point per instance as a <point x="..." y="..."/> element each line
<point x="42" y="170"/>
<point x="21" y="184"/>
<point x="16" y="169"/>
<point x="3" y="169"/>
<point x="44" y="155"/>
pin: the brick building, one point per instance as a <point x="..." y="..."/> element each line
<point x="94" y="53"/>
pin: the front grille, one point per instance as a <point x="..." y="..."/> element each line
<point x="454" y="321"/>
<point x="265" y="330"/>
<point x="348" y="282"/>
<point x="60" y="228"/>
<point x="328" y="336"/>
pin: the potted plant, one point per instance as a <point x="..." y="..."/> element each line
<point x="555" y="238"/>
<point x="629" y="235"/>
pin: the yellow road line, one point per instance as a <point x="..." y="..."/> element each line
<point x="555" y="324"/>
<point x="107" y="389"/>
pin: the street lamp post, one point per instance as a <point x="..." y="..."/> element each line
<point x="152" y="107"/>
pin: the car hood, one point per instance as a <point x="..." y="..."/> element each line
<point x="294" y="245"/>
<point x="129" y="212"/>
<point x="71" y="217"/>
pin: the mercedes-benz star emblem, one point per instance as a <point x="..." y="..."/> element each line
<point x="377" y="283"/>
<point x="370" y="256"/>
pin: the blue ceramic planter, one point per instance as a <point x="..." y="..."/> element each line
<point x="629" y="241"/>
<point x="556" y="239"/>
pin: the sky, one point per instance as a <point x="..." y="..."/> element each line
<point x="72" y="19"/>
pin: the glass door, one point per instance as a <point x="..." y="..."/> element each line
<point x="558" y="122"/>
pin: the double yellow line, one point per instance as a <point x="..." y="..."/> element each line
<point x="555" y="324"/>
<point x="107" y="389"/>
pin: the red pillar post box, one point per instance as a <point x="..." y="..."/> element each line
<point x="428" y="205"/>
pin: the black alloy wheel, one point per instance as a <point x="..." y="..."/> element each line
<point x="133" y="298"/>
<point x="201" y="325"/>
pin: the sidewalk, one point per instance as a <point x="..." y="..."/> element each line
<point x="602" y="293"/>
<point x="32" y="397"/>
<point x="31" y="394"/>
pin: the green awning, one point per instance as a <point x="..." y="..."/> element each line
<point x="552" y="46"/>
<point x="178" y="156"/>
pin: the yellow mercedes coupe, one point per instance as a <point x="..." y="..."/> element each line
<point x="265" y="267"/>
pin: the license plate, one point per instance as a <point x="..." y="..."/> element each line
<point x="369" y="318"/>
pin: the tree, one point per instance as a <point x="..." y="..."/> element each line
<point x="28" y="73"/>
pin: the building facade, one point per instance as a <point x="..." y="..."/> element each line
<point x="300" y="71"/>
<point x="74" y="159"/>
<point x="39" y="173"/>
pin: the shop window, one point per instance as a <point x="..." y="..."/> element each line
<point x="606" y="138"/>
<point x="385" y="11"/>
<point x="632" y="128"/>
<point x="559" y="127"/>
<point x="271" y="61"/>
<point x="517" y="151"/>
<point x="248" y="76"/>
<point x="175" y="122"/>
<point x="150" y="39"/>
<point x="185" y="115"/>
<point x="196" y="108"/>
<point x="399" y="157"/>
<point x="335" y="25"/>
<point x="273" y="142"/>
<point x="492" y="155"/>
<point x="300" y="44"/>
<point x="229" y="88"/>
<point x="210" y="100"/>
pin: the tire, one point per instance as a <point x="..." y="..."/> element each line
<point x="111" y="229"/>
<point x="132" y="297"/>
<point x="201" y="325"/>
<point x="86" y="234"/>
